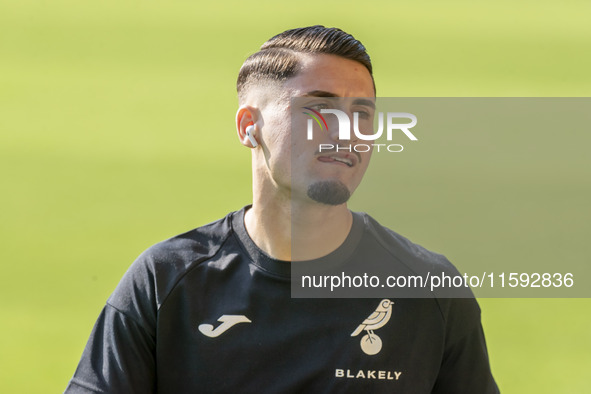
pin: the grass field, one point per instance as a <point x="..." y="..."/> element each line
<point x="117" y="131"/>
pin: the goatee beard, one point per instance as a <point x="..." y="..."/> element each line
<point x="329" y="192"/>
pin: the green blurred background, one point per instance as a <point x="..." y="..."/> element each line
<point x="117" y="131"/>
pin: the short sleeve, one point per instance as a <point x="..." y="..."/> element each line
<point x="118" y="358"/>
<point x="465" y="366"/>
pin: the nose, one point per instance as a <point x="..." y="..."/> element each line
<point x="340" y="128"/>
<point x="334" y="130"/>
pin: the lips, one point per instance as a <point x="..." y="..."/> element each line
<point x="339" y="158"/>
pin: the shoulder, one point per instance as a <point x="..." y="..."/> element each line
<point x="415" y="256"/>
<point x="180" y="252"/>
<point x="153" y="275"/>
<point x="455" y="303"/>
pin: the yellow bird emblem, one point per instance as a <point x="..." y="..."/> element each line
<point x="370" y="343"/>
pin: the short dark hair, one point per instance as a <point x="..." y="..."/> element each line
<point x="277" y="60"/>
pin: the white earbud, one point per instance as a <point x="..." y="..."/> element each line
<point x="249" y="131"/>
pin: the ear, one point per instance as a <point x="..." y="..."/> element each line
<point x="248" y="116"/>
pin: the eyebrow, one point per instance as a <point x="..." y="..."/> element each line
<point x="324" y="93"/>
<point x="319" y="93"/>
<point x="366" y="102"/>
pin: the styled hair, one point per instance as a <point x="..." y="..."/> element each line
<point x="278" y="58"/>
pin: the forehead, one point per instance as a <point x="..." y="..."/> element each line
<point x="330" y="73"/>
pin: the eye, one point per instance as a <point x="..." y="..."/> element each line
<point x="318" y="106"/>
<point x="364" y="114"/>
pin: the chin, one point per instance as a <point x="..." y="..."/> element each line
<point x="329" y="192"/>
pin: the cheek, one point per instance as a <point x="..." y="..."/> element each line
<point x="365" y="159"/>
<point x="279" y="153"/>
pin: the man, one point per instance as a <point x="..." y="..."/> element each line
<point x="211" y="310"/>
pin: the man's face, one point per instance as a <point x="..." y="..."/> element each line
<point x="294" y="163"/>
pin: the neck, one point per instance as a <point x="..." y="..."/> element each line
<point x="295" y="231"/>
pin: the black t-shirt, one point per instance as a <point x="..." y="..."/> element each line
<point x="208" y="311"/>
